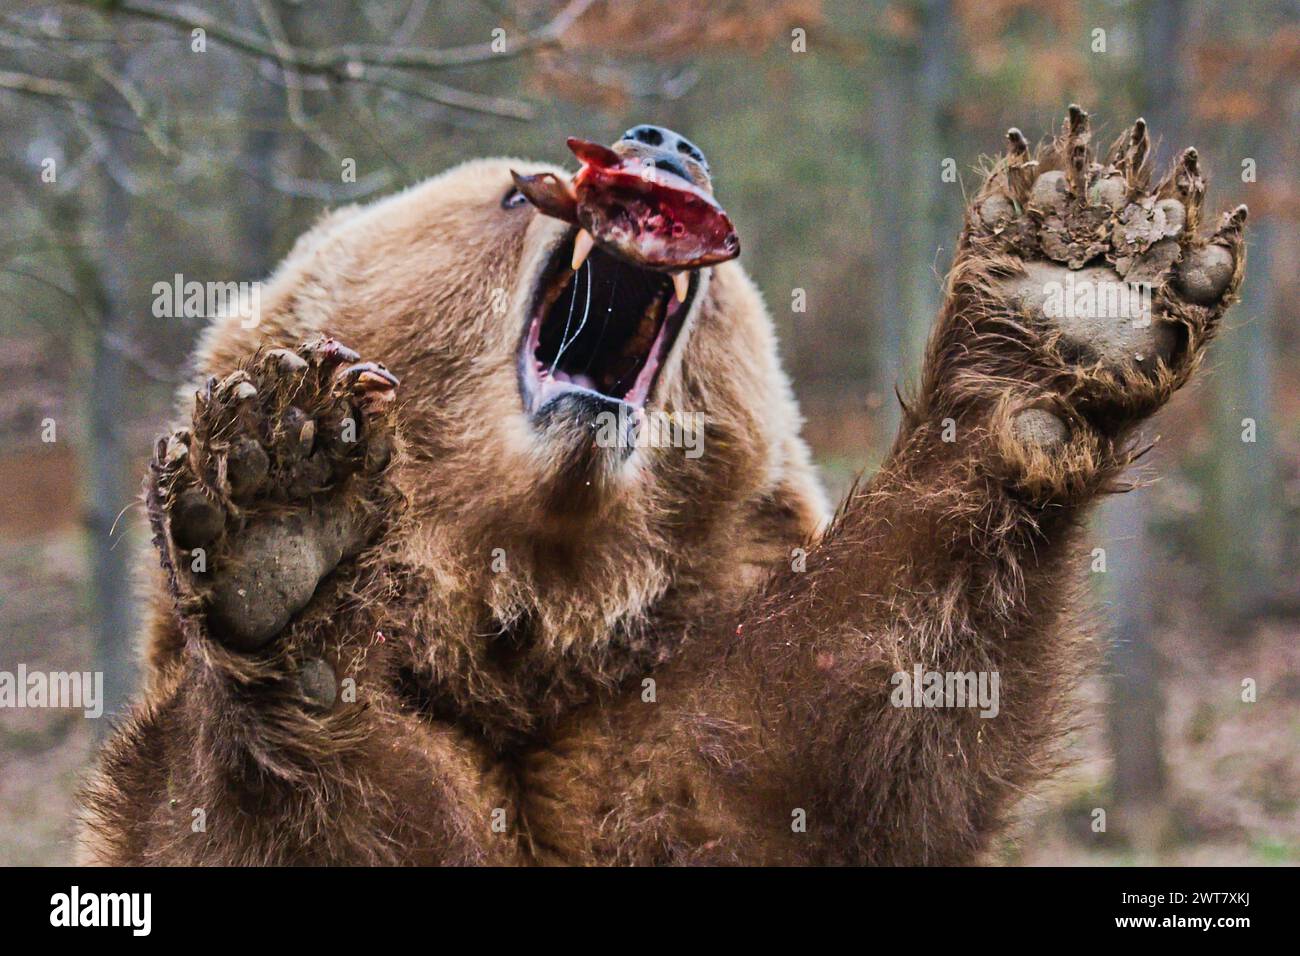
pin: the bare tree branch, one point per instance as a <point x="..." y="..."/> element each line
<point x="39" y="86"/>
<point x="341" y="59"/>
<point x="302" y="188"/>
<point x="440" y="93"/>
<point x="42" y="36"/>
<point x="414" y="14"/>
<point x="292" y="80"/>
<point x="135" y="101"/>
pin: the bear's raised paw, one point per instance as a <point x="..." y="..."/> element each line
<point x="279" y="478"/>
<point x="1086" y="286"/>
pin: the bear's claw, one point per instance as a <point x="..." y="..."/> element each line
<point x="265" y="494"/>
<point x="1064" y="238"/>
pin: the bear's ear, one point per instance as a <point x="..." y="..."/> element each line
<point x="549" y="193"/>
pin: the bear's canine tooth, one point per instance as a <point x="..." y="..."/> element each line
<point x="582" y="244"/>
<point x="681" y="285"/>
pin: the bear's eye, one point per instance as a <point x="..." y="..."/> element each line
<point x="513" y="199"/>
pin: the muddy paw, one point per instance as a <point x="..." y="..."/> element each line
<point x="1093" y="281"/>
<point x="278" y="480"/>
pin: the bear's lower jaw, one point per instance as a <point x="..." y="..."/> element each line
<point x="604" y="330"/>
<point x="586" y="439"/>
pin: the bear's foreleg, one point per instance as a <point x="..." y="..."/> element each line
<point x="890" y="701"/>
<point x="271" y="733"/>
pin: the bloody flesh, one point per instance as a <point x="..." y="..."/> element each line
<point x="644" y="215"/>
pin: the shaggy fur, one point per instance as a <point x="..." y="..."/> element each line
<point x="648" y="677"/>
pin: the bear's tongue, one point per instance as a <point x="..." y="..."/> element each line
<point x="643" y="215"/>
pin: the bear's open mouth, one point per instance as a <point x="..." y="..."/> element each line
<point x="605" y="329"/>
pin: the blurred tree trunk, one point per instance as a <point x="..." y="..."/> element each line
<point x="111" y="472"/>
<point x="940" y="202"/>
<point x="914" y="134"/>
<point x="261" y="145"/>
<point x="296" y="155"/>
<point x="1136" y="712"/>
<point x="1242" y="540"/>
<point x="890" y="249"/>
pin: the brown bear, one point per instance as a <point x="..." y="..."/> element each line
<point x="477" y="618"/>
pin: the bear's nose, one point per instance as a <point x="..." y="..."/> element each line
<point x="669" y="151"/>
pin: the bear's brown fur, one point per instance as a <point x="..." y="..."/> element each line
<point x="545" y="658"/>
